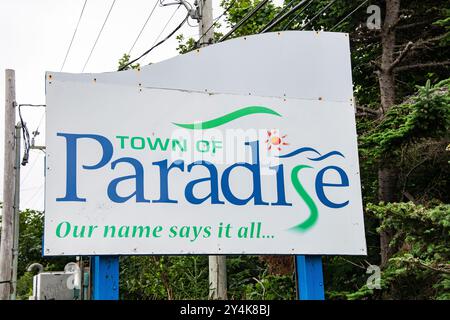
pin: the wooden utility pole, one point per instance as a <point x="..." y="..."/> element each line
<point x="217" y="264"/>
<point x="7" y="234"/>
<point x="205" y="25"/>
<point x="15" y="248"/>
<point x="218" y="277"/>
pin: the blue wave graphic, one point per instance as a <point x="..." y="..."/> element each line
<point x="298" y="151"/>
<point x="306" y="149"/>
<point x="329" y="154"/>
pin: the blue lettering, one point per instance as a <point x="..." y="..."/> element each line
<point x="213" y="179"/>
<point x="138" y="177"/>
<point x="281" y="194"/>
<point x="320" y="185"/>
<point x="254" y="169"/>
<point x="164" y="179"/>
<point x="71" y="161"/>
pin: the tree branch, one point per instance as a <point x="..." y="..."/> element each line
<point x="402" y="54"/>
<point x="423" y="42"/>
<point x="421" y="65"/>
<point x="366" y="110"/>
<point x="446" y="271"/>
<point x="412" y="25"/>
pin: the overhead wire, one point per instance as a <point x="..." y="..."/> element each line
<point x="318" y="14"/>
<point x="297" y="15"/>
<point x="29" y="171"/>
<point x="244" y="20"/>
<point x="347" y="16"/>
<point x="274" y="21"/>
<point x="155" y="45"/>
<point x="167" y="23"/>
<point x="31" y="204"/>
<point x="98" y="36"/>
<point x="143" y="27"/>
<point x="73" y="36"/>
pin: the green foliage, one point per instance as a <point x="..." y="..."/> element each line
<point x="30" y="241"/>
<point x="271" y="287"/>
<point x="445" y="23"/>
<point x="164" y="277"/>
<point x="30" y="244"/>
<point x="420" y="268"/>
<point x="425" y="115"/>
<point x="185" y="47"/>
<point x="256" y="23"/>
<point x="25" y="286"/>
<point x="124" y="61"/>
<point x="186" y="277"/>
<point x="30" y="251"/>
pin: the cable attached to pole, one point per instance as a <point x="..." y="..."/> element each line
<point x="156" y="45"/>
<point x="26" y="137"/>
<point x="25" y="132"/>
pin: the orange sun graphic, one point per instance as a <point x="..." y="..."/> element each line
<point x="275" y="140"/>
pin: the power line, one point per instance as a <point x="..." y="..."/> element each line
<point x="99" y="34"/>
<point x="271" y="25"/>
<point x="167" y="23"/>
<point x="157" y="44"/>
<point x="29" y="188"/>
<point x="29" y="171"/>
<point x="347" y="16"/>
<point x="73" y="36"/>
<point x="36" y="132"/>
<point x="143" y="27"/>
<point x="320" y="12"/>
<point x="35" y="194"/>
<point x="274" y="20"/>
<point x="243" y="20"/>
<point x="297" y="15"/>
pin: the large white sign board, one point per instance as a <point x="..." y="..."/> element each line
<point x="248" y="146"/>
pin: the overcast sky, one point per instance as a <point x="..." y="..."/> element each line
<point x="35" y="35"/>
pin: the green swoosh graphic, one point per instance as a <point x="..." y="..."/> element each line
<point x="228" y="117"/>
<point x="314" y="213"/>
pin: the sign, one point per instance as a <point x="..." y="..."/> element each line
<point x="244" y="147"/>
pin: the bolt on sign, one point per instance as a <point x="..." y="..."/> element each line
<point x="243" y="147"/>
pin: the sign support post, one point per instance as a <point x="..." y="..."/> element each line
<point x="105" y="277"/>
<point x="309" y="277"/>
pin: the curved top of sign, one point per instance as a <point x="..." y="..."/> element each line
<point x="292" y="64"/>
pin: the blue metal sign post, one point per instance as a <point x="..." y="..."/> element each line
<point x="309" y="277"/>
<point x="105" y="278"/>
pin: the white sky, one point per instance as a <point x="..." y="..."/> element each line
<point x="35" y="35"/>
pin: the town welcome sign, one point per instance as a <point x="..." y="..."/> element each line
<point x="244" y="147"/>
